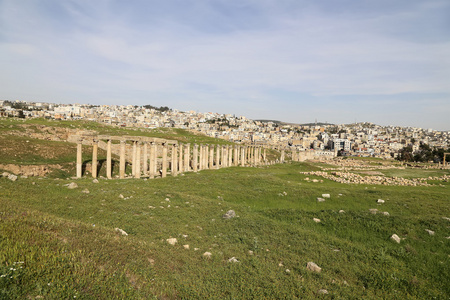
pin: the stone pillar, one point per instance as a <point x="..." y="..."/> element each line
<point x="224" y="157"/>
<point x="133" y="160"/>
<point x="230" y="155"/>
<point x="282" y="156"/>
<point x="187" y="154"/>
<point x="153" y="149"/>
<point x="94" y="158"/>
<point x="217" y="156"/>
<point x="211" y="157"/>
<point x="200" y="160"/>
<point x="264" y="155"/>
<point x="194" y="158"/>
<point x="138" y="161"/>
<point x="180" y="159"/>
<point x="236" y="155"/>
<point x="243" y="156"/>
<point x="164" y="161"/>
<point x="108" y="160"/>
<point x="205" y="156"/>
<point x="145" y="158"/>
<point x="174" y="162"/>
<point x="79" y="158"/>
<point x="122" y="162"/>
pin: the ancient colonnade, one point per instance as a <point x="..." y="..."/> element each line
<point x="154" y="157"/>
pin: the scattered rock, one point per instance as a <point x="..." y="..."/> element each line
<point x="320" y="200"/>
<point x="250" y="252"/>
<point x="172" y="241"/>
<point x="95" y="180"/>
<point x="72" y="186"/>
<point x="280" y="264"/>
<point x="313" y="267"/>
<point x="445" y="218"/>
<point x="12" y="177"/>
<point x="326" y="195"/>
<point x="288" y="271"/>
<point x="322" y="291"/>
<point x="233" y="260"/>
<point x="430" y="232"/>
<point x="380" y="201"/>
<point x="385" y="213"/>
<point x="395" y="238"/>
<point x="342" y="211"/>
<point x="86" y="191"/>
<point x="121" y="196"/>
<point x="186" y="247"/>
<point x="167" y="199"/>
<point x="121" y="231"/>
<point x="207" y="254"/>
<point x="373" y="211"/>
<point x="229" y="215"/>
<point x="316" y="220"/>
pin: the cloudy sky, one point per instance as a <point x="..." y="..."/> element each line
<point x="341" y="61"/>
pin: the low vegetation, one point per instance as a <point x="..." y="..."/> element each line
<point x="61" y="243"/>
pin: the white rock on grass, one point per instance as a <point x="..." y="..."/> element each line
<point x="322" y="292"/>
<point x="121" y="231"/>
<point x="380" y="201"/>
<point x="395" y="238"/>
<point x="385" y="213"/>
<point x="313" y="267"/>
<point x="229" y="215"/>
<point x="85" y="191"/>
<point x="186" y="247"/>
<point x="316" y="220"/>
<point x="121" y="196"/>
<point x="95" y="180"/>
<point x="233" y="260"/>
<point x="320" y="200"/>
<point x="172" y="241"/>
<point x="326" y="195"/>
<point x="207" y="254"/>
<point x="430" y="232"/>
<point x="12" y="177"/>
<point x="342" y="211"/>
<point x="373" y="211"/>
<point x="72" y="186"/>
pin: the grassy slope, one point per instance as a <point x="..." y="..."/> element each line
<point x="60" y="243"/>
<point x="54" y="235"/>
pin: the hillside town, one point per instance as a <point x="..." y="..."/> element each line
<point x="329" y="140"/>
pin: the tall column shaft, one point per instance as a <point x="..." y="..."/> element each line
<point x="164" y="161"/>
<point x="122" y="160"/>
<point x="108" y="160"/>
<point x="94" y="158"/>
<point x="230" y="155"/>
<point x="79" y="159"/>
<point x="194" y="158"/>
<point x="145" y="158"/>
<point x="180" y="158"/>
<point x="211" y="157"/>
<point x="133" y="160"/>
<point x="174" y="162"/>
<point x="187" y="159"/>
<point x="137" y="173"/>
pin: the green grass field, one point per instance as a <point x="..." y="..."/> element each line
<point x="60" y="243"/>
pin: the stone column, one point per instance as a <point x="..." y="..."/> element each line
<point x="152" y="172"/>
<point x="108" y="160"/>
<point x="200" y="160"/>
<point x="236" y="155"/>
<point x="164" y="161"/>
<point x="145" y="157"/>
<point x="205" y="156"/>
<point x="264" y="155"/>
<point x="217" y="156"/>
<point x="122" y="160"/>
<point x="94" y="158"/>
<point x="230" y="155"/>
<point x="282" y="156"/>
<point x="194" y="158"/>
<point x="174" y="162"/>
<point x="133" y="160"/>
<point x="187" y="154"/>
<point x="79" y="158"/>
<point x="211" y="157"/>
<point x="180" y="159"/>
<point x="243" y="156"/>
<point x="138" y="161"/>
<point x="224" y="157"/>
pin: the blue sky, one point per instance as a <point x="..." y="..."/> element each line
<point x="381" y="61"/>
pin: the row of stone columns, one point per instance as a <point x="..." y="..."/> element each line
<point x="145" y="158"/>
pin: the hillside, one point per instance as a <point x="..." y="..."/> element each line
<point x="111" y="239"/>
